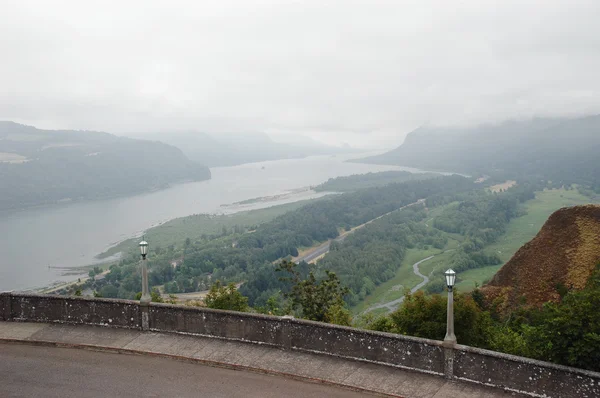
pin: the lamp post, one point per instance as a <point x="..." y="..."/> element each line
<point x="450" y="338"/>
<point x="145" y="299"/>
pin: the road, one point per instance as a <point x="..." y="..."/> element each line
<point x="392" y="305"/>
<point x="323" y="248"/>
<point x="35" y="371"/>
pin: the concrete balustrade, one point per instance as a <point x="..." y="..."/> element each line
<point x="469" y="364"/>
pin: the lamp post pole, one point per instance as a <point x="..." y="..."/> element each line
<point x="146" y="298"/>
<point x="450" y="338"/>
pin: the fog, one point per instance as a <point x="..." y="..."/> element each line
<point x="357" y="72"/>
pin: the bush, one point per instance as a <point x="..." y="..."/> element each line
<point x="226" y="298"/>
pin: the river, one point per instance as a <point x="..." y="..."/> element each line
<point x="69" y="235"/>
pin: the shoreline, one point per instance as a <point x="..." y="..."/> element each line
<point x="296" y="195"/>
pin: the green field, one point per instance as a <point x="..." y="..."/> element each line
<point x="472" y="278"/>
<point x="176" y="231"/>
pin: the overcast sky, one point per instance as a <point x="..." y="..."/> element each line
<point x="363" y="72"/>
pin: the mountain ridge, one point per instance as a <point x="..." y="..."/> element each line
<point x="556" y="149"/>
<point x="40" y="167"/>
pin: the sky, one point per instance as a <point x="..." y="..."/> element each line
<point x="359" y="72"/>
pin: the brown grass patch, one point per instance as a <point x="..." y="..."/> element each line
<point x="564" y="253"/>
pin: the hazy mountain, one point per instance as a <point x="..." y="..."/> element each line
<point x="237" y="148"/>
<point x="562" y="149"/>
<point x="46" y="166"/>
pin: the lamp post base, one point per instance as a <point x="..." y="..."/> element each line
<point x="145" y="300"/>
<point x="449" y="341"/>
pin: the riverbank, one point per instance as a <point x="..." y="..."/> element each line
<point x="70" y="235"/>
<point x="196" y="226"/>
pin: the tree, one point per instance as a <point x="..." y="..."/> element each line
<point x="154" y="295"/>
<point x="425" y="316"/>
<point x="109" y="291"/>
<point x="226" y="298"/>
<point x="272" y="306"/>
<point x="322" y="300"/>
<point x="568" y="332"/>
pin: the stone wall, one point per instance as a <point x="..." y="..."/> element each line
<point x="465" y="363"/>
<point x="524" y="374"/>
<point x="402" y="351"/>
<point x="253" y="328"/>
<point x="89" y="311"/>
<point x="408" y="352"/>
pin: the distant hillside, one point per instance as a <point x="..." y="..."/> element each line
<point x="40" y="167"/>
<point x="232" y="149"/>
<point x="356" y="182"/>
<point x="558" y="149"/>
<point x="562" y="256"/>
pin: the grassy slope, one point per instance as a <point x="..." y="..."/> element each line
<point x="178" y="230"/>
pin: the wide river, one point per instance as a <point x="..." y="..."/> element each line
<point x="35" y="241"/>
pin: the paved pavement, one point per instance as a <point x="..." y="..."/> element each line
<point x="30" y="371"/>
<point x="23" y="368"/>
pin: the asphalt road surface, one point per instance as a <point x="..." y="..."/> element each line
<point x="35" y="371"/>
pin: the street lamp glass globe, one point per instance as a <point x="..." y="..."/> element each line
<point x="144" y="247"/>
<point x="450" y="278"/>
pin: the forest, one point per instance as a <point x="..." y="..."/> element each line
<point x="246" y="255"/>
<point x="365" y="259"/>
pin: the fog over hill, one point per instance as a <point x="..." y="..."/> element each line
<point x="228" y="149"/>
<point x="559" y="149"/>
<point x="39" y="167"/>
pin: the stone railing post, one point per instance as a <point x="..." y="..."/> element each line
<point x="449" y="359"/>
<point x="286" y="332"/>
<point x="145" y="316"/>
<point x="7" y="305"/>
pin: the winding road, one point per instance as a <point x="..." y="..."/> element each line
<point x="392" y="305"/>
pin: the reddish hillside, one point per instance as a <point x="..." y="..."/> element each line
<point x="563" y="254"/>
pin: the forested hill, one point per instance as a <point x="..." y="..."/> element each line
<point x="562" y="150"/>
<point x="356" y="182"/>
<point x="39" y="167"/>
